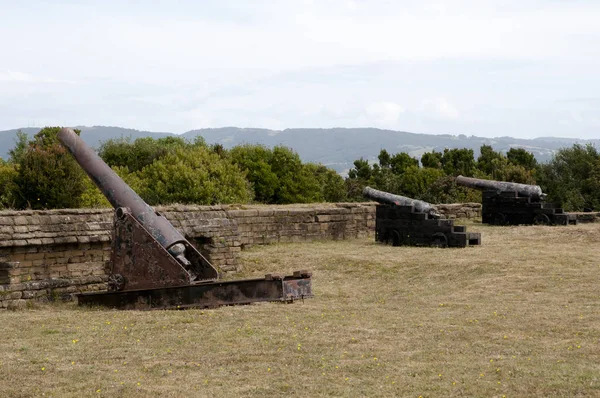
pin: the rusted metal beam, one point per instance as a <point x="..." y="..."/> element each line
<point x="207" y="295"/>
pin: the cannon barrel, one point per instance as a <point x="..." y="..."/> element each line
<point x="532" y="191"/>
<point x="389" y="198"/>
<point x="120" y="195"/>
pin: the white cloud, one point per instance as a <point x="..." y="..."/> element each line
<point x="439" y="108"/>
<point x="384" y="113"/>
<point x="9" y="76"/>
<point x="302" y="63"/>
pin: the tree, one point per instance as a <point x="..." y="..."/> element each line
<point x="332" y="184"/>
<point x="297" y="184"/>
<point x="458" y="162"/>
<point x="402" y="161"/>
<point x="445" y="190"/>
<point x="485" y="161"/>
<point x="362" y="170"/>
<point x="432" y="160"/>
<point x="504" y="170"/>
<point x="415" y="181"/>
<point x="520" y="157"/>
<point x="8" y="174"/>
<point x="256" y="161"/>
<point x="192" y="176"/>
<point x="47" y="175"/>
<point x="21" y="142"/>
<point x="571" y="178"/>
<point x="143" y="151"/>
<point x="385" y="159"/>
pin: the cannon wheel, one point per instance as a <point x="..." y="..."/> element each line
<point x="116" y="282"/>
<point x="398" y="239"/>
<point x="498" y="219"/>
<point x="440" y="239"/>
<point x="541" y="219"/>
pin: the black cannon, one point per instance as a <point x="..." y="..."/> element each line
<point x="153" y="265"/>
<point x="391" y="199"/>
<point x="509" y="203"/>
<point x="402" y="221"/>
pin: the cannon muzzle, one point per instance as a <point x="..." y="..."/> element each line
<point x="388" y="198"/>
<point x="532" y="191"/>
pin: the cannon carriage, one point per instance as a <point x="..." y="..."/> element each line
<point x="508" y="203"/>
<point x="402" y="221"/>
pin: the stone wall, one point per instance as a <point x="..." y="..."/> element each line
<point x="52" y="254"/>
<point x="460" y="210"/>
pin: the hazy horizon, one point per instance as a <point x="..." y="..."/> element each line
<point x="456" y="134"/>
<point x="519" y="69"/>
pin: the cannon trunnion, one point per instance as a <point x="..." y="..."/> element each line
<point x="153" y="266"/>
<point x="506" y="203"/>
<point x="401" y="221"/>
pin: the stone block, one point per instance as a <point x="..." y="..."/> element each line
<point x="20" y="220"/>
<point x="7" y="220"/>
<point x="65" y="239"/>
<point x="6" y="229"/>
<point x="14" y="295"/>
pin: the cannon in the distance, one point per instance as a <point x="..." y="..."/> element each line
<point x="397" y="200"/>
<point x="525" y="190"/>
<point x="152" y="265"/>
<point x="509" y="203"/>
<point x="402" y="221"/>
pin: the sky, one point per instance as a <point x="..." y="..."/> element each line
<point x="522" y="68"/>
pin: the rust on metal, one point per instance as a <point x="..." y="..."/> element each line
<point x="204" y="295"/>
<point x="139" y="261"/>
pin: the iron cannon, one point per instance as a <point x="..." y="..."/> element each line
<point x="402" y="221"/>
<point x="397" y="200"/>
<point x="510" y="203"/>
<point x="152" y="265"/>
<point x="524" y="190"/>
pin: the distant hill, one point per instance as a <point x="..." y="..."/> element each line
<point x="337" y="147"/>
<point x="93" y="136"/>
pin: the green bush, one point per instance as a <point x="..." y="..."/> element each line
<point x="48" y="177"/>
<point x="192" y="176"/>
<point x="256" y="161"/>
<point x="8" y="173"/>
<point x="136" y="155"/>
<point x="572" y="178"/>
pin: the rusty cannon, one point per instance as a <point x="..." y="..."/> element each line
<point x="509" y="203"/>
<point x="402" y="221"/>
<point x="522" y="190"/>
<point x="152" y="265"/>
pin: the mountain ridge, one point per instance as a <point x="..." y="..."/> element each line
<point x="334" y="147"/>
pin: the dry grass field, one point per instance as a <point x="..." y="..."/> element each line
<point x="518" y="316"/>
